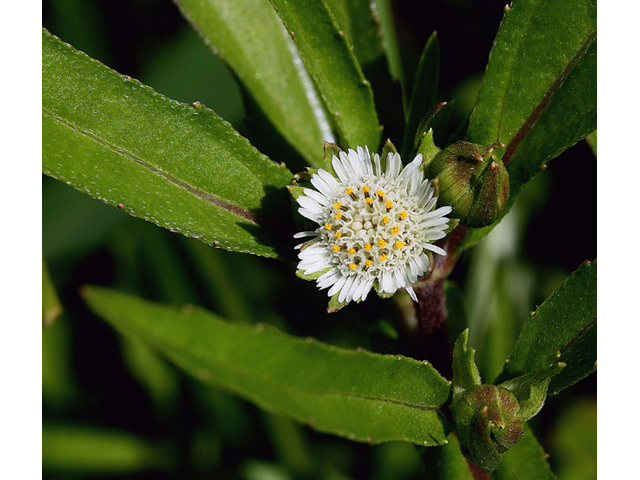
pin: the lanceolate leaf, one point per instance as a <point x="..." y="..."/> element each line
<point x="179" y="166"/>
<point x="425" y="90"/>
<point x="359" y="21"/>
<point x="334" y="69"/>
<point x="250" y="37"/>
<point x="538" y="95"/>
<point x="562" y="329"/>
<point x="355" y="394"/>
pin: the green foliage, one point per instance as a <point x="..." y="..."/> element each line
<point x="573" y="440"/>
<point x="334" y="69"/>
<point x="562" y="328"/>
<point x="360" y="395"/>
<point x="87" y="450"/>
<point x="525" y="461"/>
<point x="538" y="95"/>
<point x="424" y="94"/>
<point x="51" y="307"/>
<point x="179" y="166"/>
<point x="465" y="372"/>
<point x="270" y="71"/>
<point x="316" y="74"/>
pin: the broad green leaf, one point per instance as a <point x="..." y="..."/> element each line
<point x="425" y="89"/>
<point x="538" y="95"/>
<point x="334" y="69"/>
<point x="525" y="461"/>
<point x="250" y="37"/>
<point x="562" y="329"/>
<point x="51" y="307"/>
<point x="81" y="449"/>
<point x="355" y="394"/>
<point x="179" y="166"/>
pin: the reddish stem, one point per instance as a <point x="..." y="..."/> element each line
<point x="430" y="340"/>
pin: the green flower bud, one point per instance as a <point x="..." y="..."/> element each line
<point x="473" y="182"/>
<point x="488" y="424"/>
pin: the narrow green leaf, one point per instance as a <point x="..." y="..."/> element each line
<point x="51" y="308"/>
<point x="356" y="20"/>
<point x="81" y="449"/>
<point x="334" y="69"/>
<point x="538" y="95"/>
<point x="562" y="329"/>
<point x="425" y="89"/>
<point x="157" y="377"/>
<point x="525" y="461"/>
<point x="179" y="166"/>
<point x="355" y="394"/>
<point x="249" y="36"/>
<point x="465" y="371"/>
<point x="359" y="21"/>
<point x="531" y="389"/>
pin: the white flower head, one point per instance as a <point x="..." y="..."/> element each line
<point x="376" y="224"/>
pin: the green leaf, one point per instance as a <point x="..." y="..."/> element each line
<point x="356" y="20"/>
<point x="465" y="371"/>
<point x="562" y="328"/>
<point x="179" y="166"/>
<point x="447" y="462"/>
<point x="574" y="440"/>
<point x="86" y="450"/>
<point x="525" y="461"/>
<point x="531" y="389"/>
<point x="51" y="308"/>
<point x="423" y="98"/>
<point x="249" y="36"/>
<point x="359" y="21"/>
<point x="355" y="394"/>
<point x="334" y="69"/>
<point x="538" y="95"/>
<point x="157" y="377"/>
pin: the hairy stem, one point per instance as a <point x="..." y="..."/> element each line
<point x="426" y="326"/>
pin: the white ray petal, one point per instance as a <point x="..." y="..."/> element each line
<point x="394" y="164"/>
<point x="411" y="293"/>
<point x="307" y="233"/>
<point x="435" y="249"/>
<point x="376" y="161"/>
<point x="337" y="286"/>
<point x="338" y="166"/>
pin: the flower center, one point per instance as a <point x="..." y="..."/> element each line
<point x="369" y="227"/>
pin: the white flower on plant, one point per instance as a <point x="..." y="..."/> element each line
<point x="376" y="224"/>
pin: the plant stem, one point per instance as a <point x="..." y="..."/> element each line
<point x="428" y="338"/>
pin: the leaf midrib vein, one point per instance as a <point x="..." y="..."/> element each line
<point x="295" y="390"/>
<point x="207" y="197"/>
<point x="537" y="112"/>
